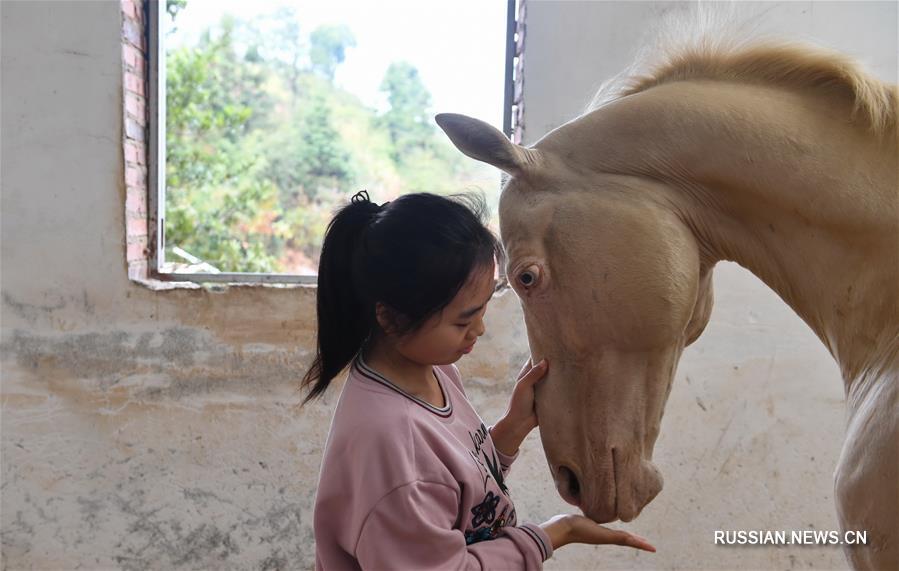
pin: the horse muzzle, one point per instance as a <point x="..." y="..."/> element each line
<point x="617" y="488"/>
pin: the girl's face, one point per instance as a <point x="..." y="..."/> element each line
<point x="448" y="335"/>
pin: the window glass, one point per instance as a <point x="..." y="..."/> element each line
<point x="278" y="111"/>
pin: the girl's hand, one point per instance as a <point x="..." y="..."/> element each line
<point x="522" y="413"/>
<point x="521" y="416"/>
<point x="565" y="529"/>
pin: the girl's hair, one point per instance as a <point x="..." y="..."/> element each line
<point x="413" y="255"/>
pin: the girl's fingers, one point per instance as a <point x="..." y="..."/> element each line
<point x="618" y="537"/>
<point x="593" y="533"/>
<point x="639" y="543"/>
<point x="534" y="374"/>
<point x="525" y="368"/>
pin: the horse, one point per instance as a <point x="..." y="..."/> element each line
<point x="778" y="156"/>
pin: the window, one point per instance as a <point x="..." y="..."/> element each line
<point x="266" y="116"/>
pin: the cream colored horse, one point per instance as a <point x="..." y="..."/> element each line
<point x="780" y="158"/>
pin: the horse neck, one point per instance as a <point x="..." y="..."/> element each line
<point x="810" y="205"/>
<point x="780" y="183"/>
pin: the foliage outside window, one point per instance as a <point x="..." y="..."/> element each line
<point x="262" y="146"/>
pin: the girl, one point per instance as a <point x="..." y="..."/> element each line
<point x="411" y="477"/>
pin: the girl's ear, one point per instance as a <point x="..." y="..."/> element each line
<point x="388" y="318"/>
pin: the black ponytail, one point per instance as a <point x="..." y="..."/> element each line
<point x="413" y="254"/>
<point x="343" y="320"/>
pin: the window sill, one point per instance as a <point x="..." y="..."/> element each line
<point x="222" y="282"/>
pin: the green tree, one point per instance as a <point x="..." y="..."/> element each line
<point x="310" y="158"/>
<point x="174" y="7"/>
<point x="328" y="49"/>
<point x="281" y="45"/>
<point x="262" y="147"/>
<point x="213" y="191"/>
<point x="408" y="120"/>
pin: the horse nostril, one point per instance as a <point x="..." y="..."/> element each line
<point x="569" y="487"/>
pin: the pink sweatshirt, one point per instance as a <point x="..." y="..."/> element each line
<point x="406" y="485"/>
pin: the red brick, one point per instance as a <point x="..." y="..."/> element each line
<point x="134" y="130"/>
<point x="140" y="229"/>
<point x="133" y="176"/>
<point x="136" y="106"/>
<point x="141" y="154"/>
<point x="140" y="212"/>
<point x="136" y="225"/>
<point x="137" y="270"/>
<point x="141" y="70"/>
<point x="130" y="9"/>
<point x="135" y="153"/>
<point x="135" y="84"/>
<point x="137" y="250"/>
<point x="132" y="153"/>
<point x="133" y="32"/>
<point x="136" y="200"/>
<point x="133" y="57"/>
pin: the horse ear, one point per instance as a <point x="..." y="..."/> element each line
<point x="484" y="142"/>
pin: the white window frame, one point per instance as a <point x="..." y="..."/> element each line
<point x="156" y="162"/>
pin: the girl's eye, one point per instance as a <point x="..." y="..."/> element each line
<point x="463" y="324"/>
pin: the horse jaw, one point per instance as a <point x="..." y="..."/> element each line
<point x="599" y="420"/>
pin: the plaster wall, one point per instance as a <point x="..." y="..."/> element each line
<point x="573" y="46"/>
<point x="158" y="429"/>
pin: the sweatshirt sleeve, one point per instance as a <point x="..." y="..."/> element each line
<point x="412" y="527"/>
<point x="505" y="461"/>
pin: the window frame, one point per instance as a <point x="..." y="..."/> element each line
<point x="156" y="161"/>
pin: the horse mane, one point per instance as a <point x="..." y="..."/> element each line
<point x="768" y="61"/>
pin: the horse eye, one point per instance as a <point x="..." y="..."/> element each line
<point x="528" y="277"/>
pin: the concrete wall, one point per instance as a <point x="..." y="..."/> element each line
<point x="571" y="47"/>
<point x="158" y="429"/>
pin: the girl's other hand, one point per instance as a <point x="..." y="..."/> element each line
<point x="570" y="528"/>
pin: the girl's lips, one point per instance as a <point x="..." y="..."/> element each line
<point x="468" y="349"/>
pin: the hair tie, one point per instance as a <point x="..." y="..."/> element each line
<point x="361" y="196"/>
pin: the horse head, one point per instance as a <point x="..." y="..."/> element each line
<point x="612" y="289"/>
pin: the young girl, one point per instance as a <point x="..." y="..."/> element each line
<point x="411" y="477"/>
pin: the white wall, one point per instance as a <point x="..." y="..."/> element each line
<point x="755" y="419"/>
<point x="573" y="46"/>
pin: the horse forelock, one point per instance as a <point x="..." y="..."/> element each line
<point x="712" y="49"/>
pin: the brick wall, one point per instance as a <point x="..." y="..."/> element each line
<point x="517" y="75"/>
<point x="135" y="140"/>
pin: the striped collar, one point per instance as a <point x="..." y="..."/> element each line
<point x="373" y="375"/>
